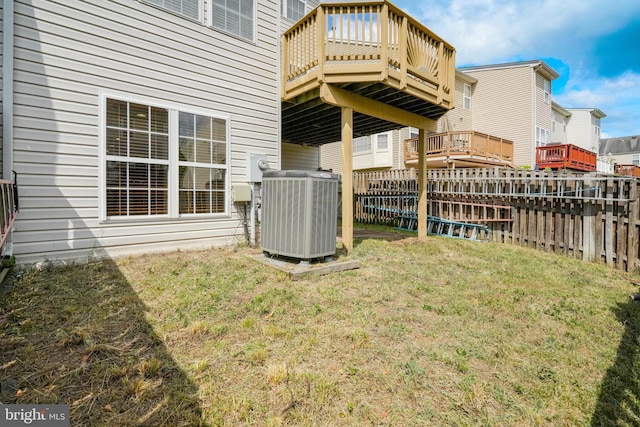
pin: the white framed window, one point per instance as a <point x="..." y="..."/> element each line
<point x="163" y="161"/>
<point x="635" y="159"/>
<point x="294" y="9"/>
<point x="547" y="91"/>
<point x="542" y="137"/>
<point x="414" y="133"/>
<point x="362" y="144"/>
<point x="188" y="8"/>
<point x="382" y="142"/>
<point x="202" y="163"/>
<point x="466" y="97"/>
<point x="235" y="17"/>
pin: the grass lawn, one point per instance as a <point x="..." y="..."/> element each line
<point x="442" y="332"/>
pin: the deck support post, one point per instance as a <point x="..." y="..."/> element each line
<point x="422" y="185"/>
<point x="347" y="178"/>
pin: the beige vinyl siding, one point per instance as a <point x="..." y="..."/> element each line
<point x="299" y="157"/>
<point x="559" y="135"/>
<point x="623" y="158"/>
<point x="581" y="129"/>
<point x="397" y="145"/>
<point x="458" y="119"/>
<point x="543" y="109"/>
<point x="1" y="87"/>
<point x="331" y="157"/>
<point x="502" y="105"/>
<point x="67" y="55"/>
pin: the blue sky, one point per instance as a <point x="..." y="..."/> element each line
<point x="594" y="45"/>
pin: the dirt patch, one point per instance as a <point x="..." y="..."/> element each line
<point x="388" y="235"/>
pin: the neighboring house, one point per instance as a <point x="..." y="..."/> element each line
<point x="583" y="127"/>
<point x="622" y="150"/>
<point x="131" y="124"/>
<point x="370" y="152"/>
<point x="513" y="101"/>
<point x="559" y="119"/>
<point x="460" y="119"/>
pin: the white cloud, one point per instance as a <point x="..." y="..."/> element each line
<point x="488" y="31"/>
<point x="617" y="97"/>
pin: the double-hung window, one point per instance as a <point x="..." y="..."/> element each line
<point x="382" y="140"/>
<point x="547" y="91"/>
<point x="234" y="16"/>
<point x="542" y="137"/>
<point x="163" y="161"/>
<point x="203" y="156"/>
<point x="466" y="97"/>
<point x="137" y="155"/>
<point x="188" y="8"/>
<point x="293" y="9"/>
<point x="362" y="144"/>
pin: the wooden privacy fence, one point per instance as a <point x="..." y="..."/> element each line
<point x="586" y="216"/>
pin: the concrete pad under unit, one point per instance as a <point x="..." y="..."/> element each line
<point x="297" y="269"/>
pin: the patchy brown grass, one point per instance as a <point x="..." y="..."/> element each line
<point x="444" y="332"/>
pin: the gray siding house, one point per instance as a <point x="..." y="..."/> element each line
<point x="137" y="125"/>
<point x="129" y="122"/>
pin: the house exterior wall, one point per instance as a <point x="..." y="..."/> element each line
<point x="375" y="158"/>
<point x="582" y="129"/>
<point x="542" y="113"/>
<point x="1" y="86"/>
<point x="458" y="119"/>
<point x="331" y="157"/>
<point x="378" y="156"/>
<point x="626" y="158"/>
<point x="579" y="129"/>
<point x="299" y="157"/>
<point x="504" y="105"/>
<point x="70" y="56"/>
<point x="399" y="136"/>
<point x="558" y="128"/>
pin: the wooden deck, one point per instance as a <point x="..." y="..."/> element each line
<point x="461" y="149"/>
<point x="368" y="52"/>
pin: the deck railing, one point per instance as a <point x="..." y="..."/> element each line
<point x="628" y="170"/>
<point x="368" y="41"/>
<point x="454" y="145"/>
<point x="8" y="207"/>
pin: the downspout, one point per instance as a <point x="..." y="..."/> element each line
<point x="7" y="90"/>
<point x="7" y="102"/>
<point x="279" y="72"/>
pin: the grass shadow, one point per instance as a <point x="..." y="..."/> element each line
<point x="619" y="399"/>
<point x="78" y="335"/>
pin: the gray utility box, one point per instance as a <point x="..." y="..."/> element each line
<point x="299" y="213"/>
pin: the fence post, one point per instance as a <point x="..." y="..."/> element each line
<point x="588" y="226"/>
<point x="632" y="230"/>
